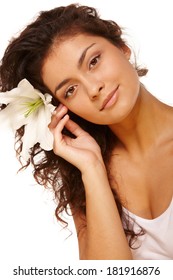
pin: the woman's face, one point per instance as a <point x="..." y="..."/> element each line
<point x="92" y="78"/>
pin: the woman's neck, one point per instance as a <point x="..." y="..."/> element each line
<point x="144" y="126"/>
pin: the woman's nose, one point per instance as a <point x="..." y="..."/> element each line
<point x="94" y="88"/>
<point x="96" y="92"/>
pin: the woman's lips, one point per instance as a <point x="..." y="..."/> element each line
<point x="110" y="99"/>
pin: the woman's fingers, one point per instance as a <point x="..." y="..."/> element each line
<point x="74" y="128"/>
<point x="59" y="139"/>
<point x="58" y="114"/>
<point x="59" y="127"/>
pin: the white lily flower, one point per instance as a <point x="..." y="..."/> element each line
<point x="29" y="107"/>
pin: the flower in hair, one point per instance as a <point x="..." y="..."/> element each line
<point x="28" y="107"/>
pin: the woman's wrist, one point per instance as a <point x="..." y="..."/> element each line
<point x="93" y="168"/>
<point x="95" y="176"/>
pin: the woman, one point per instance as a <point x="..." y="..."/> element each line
<point x="112" y="153"/>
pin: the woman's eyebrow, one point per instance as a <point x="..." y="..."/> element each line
<point x="81" y="59"/>
<point x="60" y="85"/>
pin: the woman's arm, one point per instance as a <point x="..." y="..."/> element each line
<point x="103" y="236"/>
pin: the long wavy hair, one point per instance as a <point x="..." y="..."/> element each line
<point x="24" y="58"/>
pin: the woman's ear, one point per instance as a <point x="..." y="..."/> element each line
<point x="127" y="51"/>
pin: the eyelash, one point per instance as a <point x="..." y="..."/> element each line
<point x="91" y="65"/>
<point x="95" y="60"/>
<point x="68" y="90"/>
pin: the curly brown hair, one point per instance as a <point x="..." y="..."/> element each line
<point x="24" y="58"/>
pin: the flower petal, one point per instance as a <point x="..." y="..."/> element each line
<point x="37" y="131"/>
<point x="45" y="137"/>
<point x="24" y="89"/>
<point x="28" y="140"/>
<point x="19" y="101"/>
<point x="13" y="116"/>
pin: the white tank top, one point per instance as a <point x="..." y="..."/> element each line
<point x="157" y="242"/>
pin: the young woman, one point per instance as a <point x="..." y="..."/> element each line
<point x="112" y="155"/>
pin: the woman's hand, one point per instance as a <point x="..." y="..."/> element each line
<point x="82" y="151"/>
<point x="103" y="237"/>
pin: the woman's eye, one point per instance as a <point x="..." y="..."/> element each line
<point x="70" y="91"/>
<point x="94" y="61"/>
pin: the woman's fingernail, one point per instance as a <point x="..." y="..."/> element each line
<point x="54" y="112"/>
<point x="57" y="109"/>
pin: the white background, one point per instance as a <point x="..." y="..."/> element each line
<point x="29" y="232"/>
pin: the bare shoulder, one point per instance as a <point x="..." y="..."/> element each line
<point x="167" y="128"/>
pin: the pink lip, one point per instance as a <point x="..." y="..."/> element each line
<point x="110" y="99"/>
